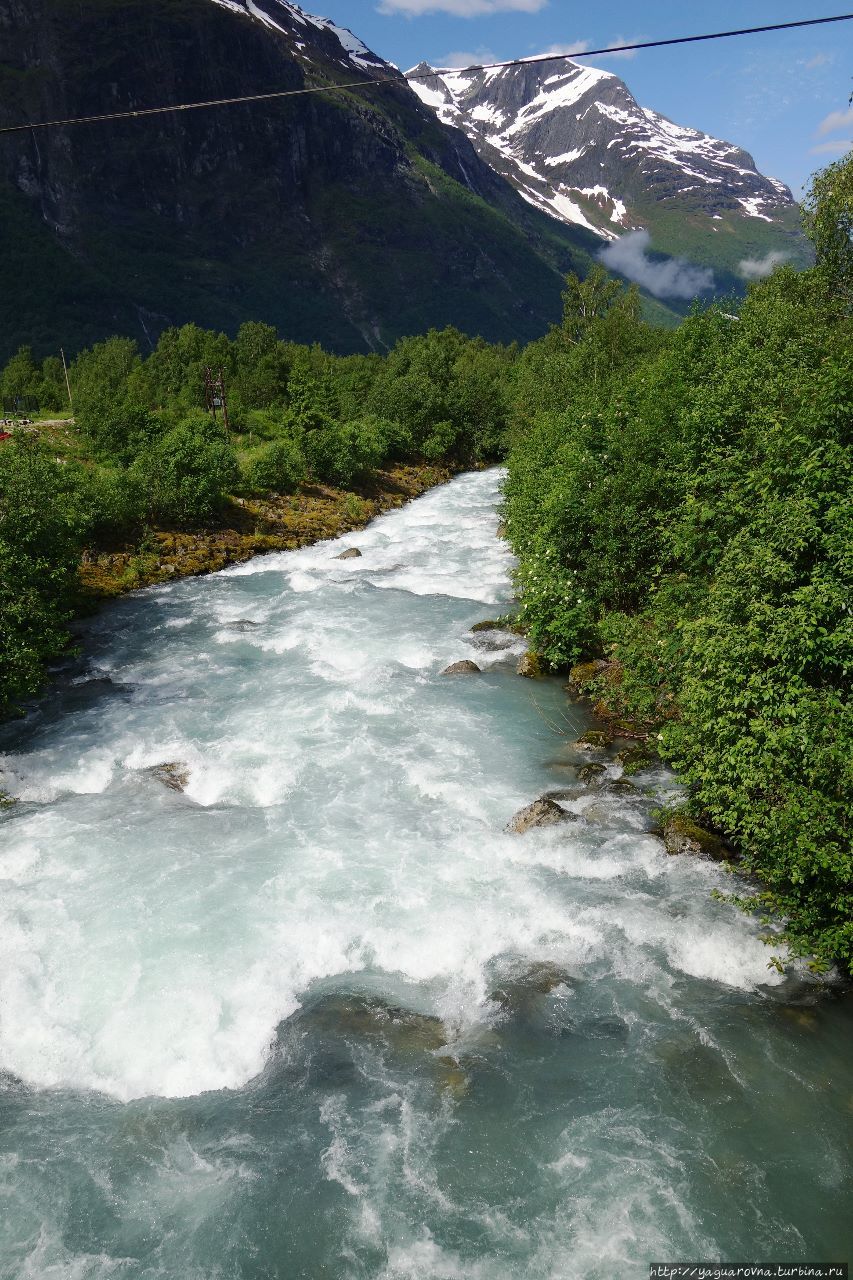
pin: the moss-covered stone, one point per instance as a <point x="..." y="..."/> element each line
<point x="530" y="666"/>
<point x="591" y="773"/>
<point x="594" y="740"/>
<point x="635" y="759"/>
<point x="684" y="835"/>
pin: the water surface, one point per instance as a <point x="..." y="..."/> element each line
<point x="318" y="1016"/>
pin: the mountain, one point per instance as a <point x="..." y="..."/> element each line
<point x="349" y="217"/>
<point x="575" y="143"/>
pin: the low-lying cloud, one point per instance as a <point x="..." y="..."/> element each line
<point x="758" y="268"/>
<point x="672" y="278"/>
<point x="461" y="8"/>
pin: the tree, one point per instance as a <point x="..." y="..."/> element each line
<point x="40" y="532"/>
<point x="187" y="472"/>
<point x="585" y="301"/>
<point x="828" y="222"/>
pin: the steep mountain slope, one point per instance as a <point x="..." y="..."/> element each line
<point x="348" y="218"/>
<point x="575" y="142"/>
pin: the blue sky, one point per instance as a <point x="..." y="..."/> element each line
<point x="781" y="96"/>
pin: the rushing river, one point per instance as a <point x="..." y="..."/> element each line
<point x="319" y="1016"/>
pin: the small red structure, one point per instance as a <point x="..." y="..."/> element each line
<point x="5" y="435"/>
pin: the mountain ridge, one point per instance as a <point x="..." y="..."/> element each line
<point x="575" y="143"/>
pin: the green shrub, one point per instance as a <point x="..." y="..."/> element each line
<point x="345" y="453"/>
<point x="279" y="466"/>
<point x="186" y="473"/>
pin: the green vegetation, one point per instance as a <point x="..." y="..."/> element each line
<point x="679" y="502"/>
<point x="143" y="453"/>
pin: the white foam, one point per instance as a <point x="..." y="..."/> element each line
<point x="344" y="811"/>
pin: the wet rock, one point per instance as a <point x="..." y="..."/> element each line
<point x="463" y="668"/>
<point x="371" y="1017"/>
<point x="175" y="774"/>
<point x="6" y="801"/>
<point x="241" y="624"/>
<point x="452" y="1076"/>
<point x="591" y="773"/>
<point x="520" y="992"/>
<point x="530" y="666"/>
<point x="683" y="835"/>
<point x="594" y="740"/>
<point x="621" y="786"/>
<point x="352" y="553"/>
<point x="494" y="641"/>
<point x="542" y="813"/>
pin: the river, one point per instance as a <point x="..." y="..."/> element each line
<point x="319" y="1016"/>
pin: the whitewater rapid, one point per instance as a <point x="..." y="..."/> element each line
<point x="340" y="838"/>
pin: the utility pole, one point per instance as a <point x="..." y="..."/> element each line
<point x="214" y="393"/>
<point x="67" y="380"/>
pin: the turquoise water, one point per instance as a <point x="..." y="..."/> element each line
<point x="318" y="1016"/>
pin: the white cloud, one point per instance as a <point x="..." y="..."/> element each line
<point x="758" y="268"/>
<point x="837" y="147"/>
<point x="834" y="121"/>
<point x="819" y="60"/>
<point x="478" y="59"/>
<point x="618" y="51"/>
<point x="673" y="278"/>
<point x="460" y="8"/>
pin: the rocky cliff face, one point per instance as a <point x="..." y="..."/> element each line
<point x="348" y="218"/>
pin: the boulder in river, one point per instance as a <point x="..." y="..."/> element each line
<point x="463" y="668"/>
<point x="621" y="786"/>
<point x="594" y="740"/>
<point x="174" y="774"/>
<point x="591" y="772"/>
<point x="494" y="641"/>
<point x="542" y="813"/>
<point x="682" y="835"/>
<point x="520" y="993"/>
<point x="351" y="553"/>
<point x="530" y="665"/>
<point x="241" y="624"/>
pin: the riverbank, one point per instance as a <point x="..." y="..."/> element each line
<point x="249" y="527"/>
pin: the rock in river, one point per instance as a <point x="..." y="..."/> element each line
<point x="352" y="553"/>
<point x="175" y="774"/>
<point x="463" y="668"/>
<point x="542" y="813"/>
<point x="680" y="835"/>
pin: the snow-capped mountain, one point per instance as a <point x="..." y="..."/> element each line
<point x="575" y="143"/>
<point x="302" y="29"/>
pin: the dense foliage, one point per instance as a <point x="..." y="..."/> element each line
<point x="679" y="502"/>
<point x="687" y="513"/>
<point x="145" y="453"/>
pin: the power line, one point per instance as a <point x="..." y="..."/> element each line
<point x="421" y="75"/>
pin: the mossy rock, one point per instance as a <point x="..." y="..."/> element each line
<point x="530" y="666"/>
<point x="635" y="760"/>
<point x="499" y="624"/>
<point x="591" y="773"/>
<point x="6" y="801"/>
<point x="594" y="740"/>
<point x="622" y="786"/>
<point x="683" y="835"/>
